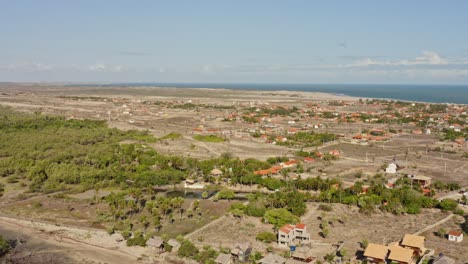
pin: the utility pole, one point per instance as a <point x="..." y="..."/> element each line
<point x="445" y="168"/>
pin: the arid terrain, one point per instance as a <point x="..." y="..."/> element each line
<point x="208" y="123"/>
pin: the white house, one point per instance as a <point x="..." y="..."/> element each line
<point x="292" y="234"/>
<point x="391" y="168"/>
<point x="456" y="236"/>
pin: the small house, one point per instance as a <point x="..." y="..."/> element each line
<point x="156" y="244"/>
<point x="422" y="181"/>
<point x="376" y="253"/>
<point x="175" y="245"/>
<point x="415" y="243"/>
<point x="304" y="254"/>
<point x="391" y="168"/>
<point x="442" y="259"/>
<point x="224" y="259"/>
<point x="272" y="258"/>
<point x="241" y="251"/>
<point x="289" y="234"/>
<point x="455" y="235"/>
<point x="401" y="255"/>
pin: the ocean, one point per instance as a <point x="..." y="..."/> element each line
<point x="457" y="94"/>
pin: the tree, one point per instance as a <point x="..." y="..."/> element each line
<point x="441" y="232"/>
<point x="266" y="237"/>
<point x="226" y="194"/>
<point x="329" y="257"/>
<point x="205" y="195"/>
<point x="364" y="243"/>
<point x="448" y="205"/>
<point x="280" y="217"/>
<point x="237" y="213"/>
<point x="2" y="189"/>
<point x="464" y="226"/>
<point x="187" y="249"/>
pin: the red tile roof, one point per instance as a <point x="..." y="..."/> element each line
<point x="455" y="233"/>
<point x="300" y="226"/>
<point x="286" y="229"/>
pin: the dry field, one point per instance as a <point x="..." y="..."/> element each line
<point x="347" y="224"/>
<point x="458" y="251"/>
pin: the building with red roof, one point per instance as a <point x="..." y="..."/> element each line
<point x="289" y="235"/>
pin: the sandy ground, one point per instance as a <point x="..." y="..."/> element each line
<point x="82" y="245"/>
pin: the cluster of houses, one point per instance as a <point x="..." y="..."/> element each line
<point x="297" y="240"/>
<point x="407" y="251"/>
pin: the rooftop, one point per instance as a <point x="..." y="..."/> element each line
<point x="413" y="241"/>
<point x="401" y="254"/>
<point x="376" y="251"/>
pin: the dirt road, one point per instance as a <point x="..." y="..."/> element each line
<point x="78" y="250"/>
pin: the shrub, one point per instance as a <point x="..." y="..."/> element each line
<point x="448" y="205"/>
<point x="325" y="207"/>
<point x="187" y="249"/>
<point x="226" y="194"/>
<point x="4" y="246"/>
<point x="266" y="237"/>
<point x="137" y="240"/>
<point x="280" y="217"/>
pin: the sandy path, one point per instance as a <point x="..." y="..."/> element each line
<point x="80" y="250"/>
<point x="433" y="225"/>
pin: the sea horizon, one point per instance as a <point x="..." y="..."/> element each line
<point x="430" y="93"/>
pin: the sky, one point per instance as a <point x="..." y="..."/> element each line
<point x="242" y="41"/>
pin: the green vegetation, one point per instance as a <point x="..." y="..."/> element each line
<point x="266" y="237"/>
<point x="464" y="226"/>
<point x="280" y="217"/>
<point x="448" y="205"/>
<point x="51" y="154"/>
<point x="187" y="249"/>
<point x="438" y="185"/>
<point x="452" y="135"/>
<point x="308" y="139"/>
<point x="226" y="194"/>
<point x="137" y="240"/>
<point x="278" y="111"/>
<point x="209" y="138"/>
<point x="4" y="246"/>
<point x="250" y="119"/>
<point x="171" y="135"/>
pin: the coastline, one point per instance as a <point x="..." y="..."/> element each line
<point x="438" y="94"/>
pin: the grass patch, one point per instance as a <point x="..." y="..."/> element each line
<point x="171" y="135"/>
<point x="209" y="138"/>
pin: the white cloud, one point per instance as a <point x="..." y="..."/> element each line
<point x="101" y="67"/>
<point x="98" y="67"/>
<point x="427" y="58"/>
<point x="28" y="66"/>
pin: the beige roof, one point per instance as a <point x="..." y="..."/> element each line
<point x="444" y="260"/>
<point x="376" y="251"/>
<point x="413" y="241"/>
<point x="303" y="253"/>
<point x="241" y="248"/>
<point x="272" y="259"/>
<point x="401" y="254"/>
<point x="223" y="258"/>
<point x="419" y="177"/>
<point x="155" y="242"/>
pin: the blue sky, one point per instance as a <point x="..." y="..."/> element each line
<point x="418" y="41"/>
